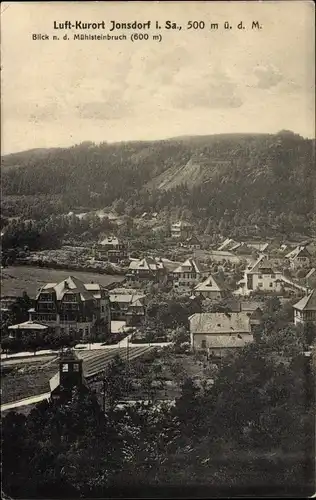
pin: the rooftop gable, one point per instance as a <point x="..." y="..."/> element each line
<point x="209" y="284"/>
<point x="109" y="240"/>
<point x="307" y="303"/>
<point x="70" y="284"/>
<point x="189" y="266"/>
<point x="299" y="251"/>
<point x="263" y="265"/>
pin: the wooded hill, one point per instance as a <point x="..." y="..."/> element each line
<point x="244" y="178"/>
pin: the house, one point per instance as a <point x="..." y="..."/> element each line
<point x="219" y="333"/>
<point x="68" y="378"/>
<point x="26" y="329"/>
<point x="73" y="307"/>
<point x="260" y="246"/>
<point x="223" y="255"/>
<point x="299" y="257"/>
<point x="283" y="247"/>
<point x="310" y="276"/>
<point x="188" y="275"/>
<point x="192" y="243"/>
<point x="180" y="230"/>
<point x="210" y="289"/>
<point x="228" y="242"/>
<point x="305" y="309"/>
<point x="261" y="276"/>
<point x="146" y="269"/>
<point x="136" y="311"/>
<point x="127" y="305"/>
<point x="110" y="249"/>
<point x="170" y="265"/>
<point x="311" y="272"/>
<point x="253" y="309"/>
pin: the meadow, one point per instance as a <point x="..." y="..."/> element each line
<point x="17" y="279"/>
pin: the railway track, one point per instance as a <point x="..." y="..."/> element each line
<point x="95" y="362"/>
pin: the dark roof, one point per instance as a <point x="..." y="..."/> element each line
<point x="307" y="303"/>
<point x="71" y="284"/>
<point x="68" y="355"/>
<point x="192" y="238"/>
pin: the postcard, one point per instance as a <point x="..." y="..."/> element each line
<point x="158" y="249"/>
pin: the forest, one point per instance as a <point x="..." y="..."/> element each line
<point x="230" y="182"/>
<point x="250" y="433"/>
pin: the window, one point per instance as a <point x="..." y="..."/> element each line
<point x="70" y="297"/>
<point x="76" y="367"/>
<point x="203" y="344"/>
<point x="272" y="275"/>
<point x="65" y="367"/>
<point x="260" y="276"/>
<point x="45" y="297"/>
<point x="271" y="285"/>
<point x="260" y="285"/>
<point x="102" y="309"/>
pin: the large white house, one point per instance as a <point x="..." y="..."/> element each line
<point x="220" y="332"/>
<point x="261" y="276"/>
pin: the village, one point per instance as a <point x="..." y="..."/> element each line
<point x="193" y="299"/>
<point x="158" y="250"/>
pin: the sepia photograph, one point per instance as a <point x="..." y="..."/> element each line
<point x="158" y="249"/>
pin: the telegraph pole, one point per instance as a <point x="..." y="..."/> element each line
<point x="127" y="352"/>
<point x="104" y="390"/>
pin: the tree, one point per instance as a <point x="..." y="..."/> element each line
<point x="309" y="334"/>
<point x="9" y="344"/>
<point x="215" y="305"/>
<point x="19" y="309"/>
<point x="273" y="305"/>
<point x="31" y="341"/>
<point x="180" y="335"/>
<point x="116" y="382"/>
<point x="188" y="408"/>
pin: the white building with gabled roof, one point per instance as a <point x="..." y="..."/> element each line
<point x="148" y="268"/>
<point x="299" y="257"/>
<point x="210" y="289"/>
<point x="188" y="275"/>
<point x="261" y="276"/>
<point x="181" y="230"/>
<point x="305" y="309"/>
<point x="220" y="332"/>
<point x="110" y="249"/>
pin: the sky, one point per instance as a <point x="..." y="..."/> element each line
<point x="194" y="82"/>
